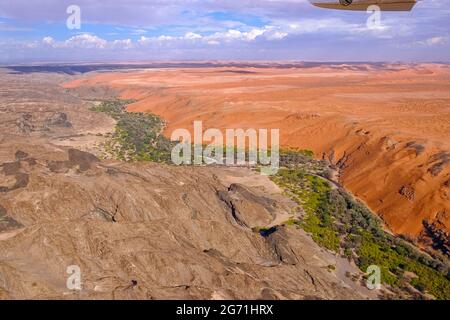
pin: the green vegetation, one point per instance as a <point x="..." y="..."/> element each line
<point x="138" y="135"/>
<point x="296" y="153"/>
<point x="311" y="193"/>
<point x="395" y="257"/>
<point x="342" y="224"/>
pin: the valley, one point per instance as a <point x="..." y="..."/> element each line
<point x="385" y="126"/>
<point x="86" y="180"/>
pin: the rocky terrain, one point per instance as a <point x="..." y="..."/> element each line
<point x="147" y="232"/>
<point x="139" y="230"/>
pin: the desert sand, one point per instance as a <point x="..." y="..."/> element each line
<point x="386" y="126"/>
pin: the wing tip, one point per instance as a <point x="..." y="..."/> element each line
<point x="394" y="6"/>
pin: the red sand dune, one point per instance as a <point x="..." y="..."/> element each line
<point x="387" y="127"/>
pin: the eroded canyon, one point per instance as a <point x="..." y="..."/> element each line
<point x="386" y="126"/>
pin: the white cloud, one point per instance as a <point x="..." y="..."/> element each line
<point x="48" y="41"/>
<point x="277" y="35"/>
<point x="268" y="33"/>
<point x="192" y="36"/>
<point x="85" y="40"/>
<point x="138" y="31"/>
<point x="165" y="38"/>
<point x="433" y="41"/>
<point x="231" y="35"/>
<point x="125" y="44"/>
<point x="328" y="25"/>
<point x="276" y="32"/>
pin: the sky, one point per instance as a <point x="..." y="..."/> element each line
<point x="163" y="30"/>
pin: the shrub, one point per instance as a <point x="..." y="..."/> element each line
<point x="340" y="223"/>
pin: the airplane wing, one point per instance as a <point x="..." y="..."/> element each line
<point x="362" y="5"/>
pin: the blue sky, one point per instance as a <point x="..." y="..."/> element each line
<point x="117" y="30"/>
